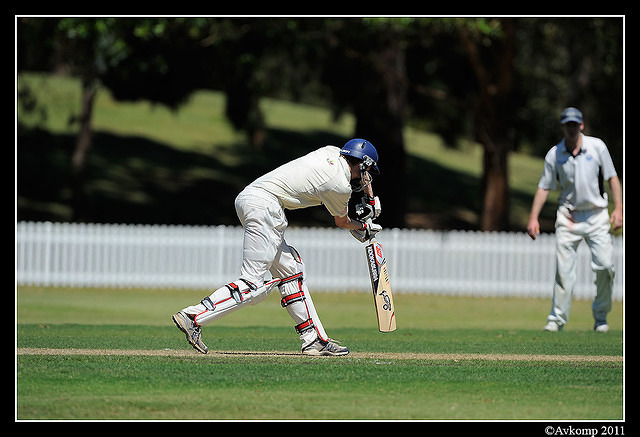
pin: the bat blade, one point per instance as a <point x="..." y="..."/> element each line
<point x="381" y="287"/>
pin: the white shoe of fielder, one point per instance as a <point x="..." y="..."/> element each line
<point x="552" y="326"/>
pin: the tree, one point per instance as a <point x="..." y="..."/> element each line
<point x="462" y="84"/>
<point x="490" y="48"/>
<point x="85" y="46"/>
<point x="365" y="69"/>
<point x="498" y="81"/>
<point x="134" y="58"/>
<point x="570" y="62"/>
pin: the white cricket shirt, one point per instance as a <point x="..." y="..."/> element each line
<point x="320" y="177"/>
<point x="580" y="178"/>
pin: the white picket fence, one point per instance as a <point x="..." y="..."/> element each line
<point x="202" y="257"/>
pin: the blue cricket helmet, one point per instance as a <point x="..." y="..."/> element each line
<point x="364" y="151"/>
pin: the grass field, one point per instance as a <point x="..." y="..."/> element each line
<point x="96" y="354"/>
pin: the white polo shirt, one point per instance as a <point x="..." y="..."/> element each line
<point x="320" y="177"/>
<point x="580" y="178"/>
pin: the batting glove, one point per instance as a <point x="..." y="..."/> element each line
<point x="369" y="208"/>
<point x="367" y="232"/>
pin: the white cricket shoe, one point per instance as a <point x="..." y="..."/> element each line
<point x="552" y="326"/>
<point x="191" y="330"/>
<point x="325" y="348"/>
<point x="604" y="327"/>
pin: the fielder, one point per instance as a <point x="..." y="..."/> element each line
<point x="325" y="176"/>
<point x="577" y="166"/>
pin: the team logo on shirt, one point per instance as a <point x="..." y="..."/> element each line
<point x="330" y="161"/>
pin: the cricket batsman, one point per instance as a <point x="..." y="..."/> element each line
<point x="326" y="176"/>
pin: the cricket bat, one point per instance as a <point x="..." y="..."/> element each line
<point x="382" y="297"/>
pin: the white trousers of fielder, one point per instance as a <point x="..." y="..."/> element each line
<point x="264" y="250"/>
<point x="571" y="228"/>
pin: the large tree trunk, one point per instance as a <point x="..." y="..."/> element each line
<point x="380" y="119"/>
<point x="495" y="206"/>
<point x="492" y="114"/>
<point x="79" y="158"/>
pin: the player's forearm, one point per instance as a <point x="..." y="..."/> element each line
<point x="533" y="226"/>
<point x="347" y="223"/>
<point x="368" y="187"/>
<point x="538" y="202"/>
<point x="617" y="216"/>
<point x="616" y="192"/>
<point x="368" y="190"/>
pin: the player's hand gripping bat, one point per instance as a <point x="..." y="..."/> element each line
<point x="367" y="210"/>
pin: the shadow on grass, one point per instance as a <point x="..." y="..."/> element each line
<point x="136" y="180"/>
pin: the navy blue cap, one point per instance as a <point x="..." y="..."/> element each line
<point x="571" y="114"/>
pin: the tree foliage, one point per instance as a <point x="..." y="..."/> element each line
<point x="499" y="81"/>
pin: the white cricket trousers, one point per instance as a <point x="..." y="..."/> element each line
<point x="571" y="228"/>
<point x="265" y="250"/>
